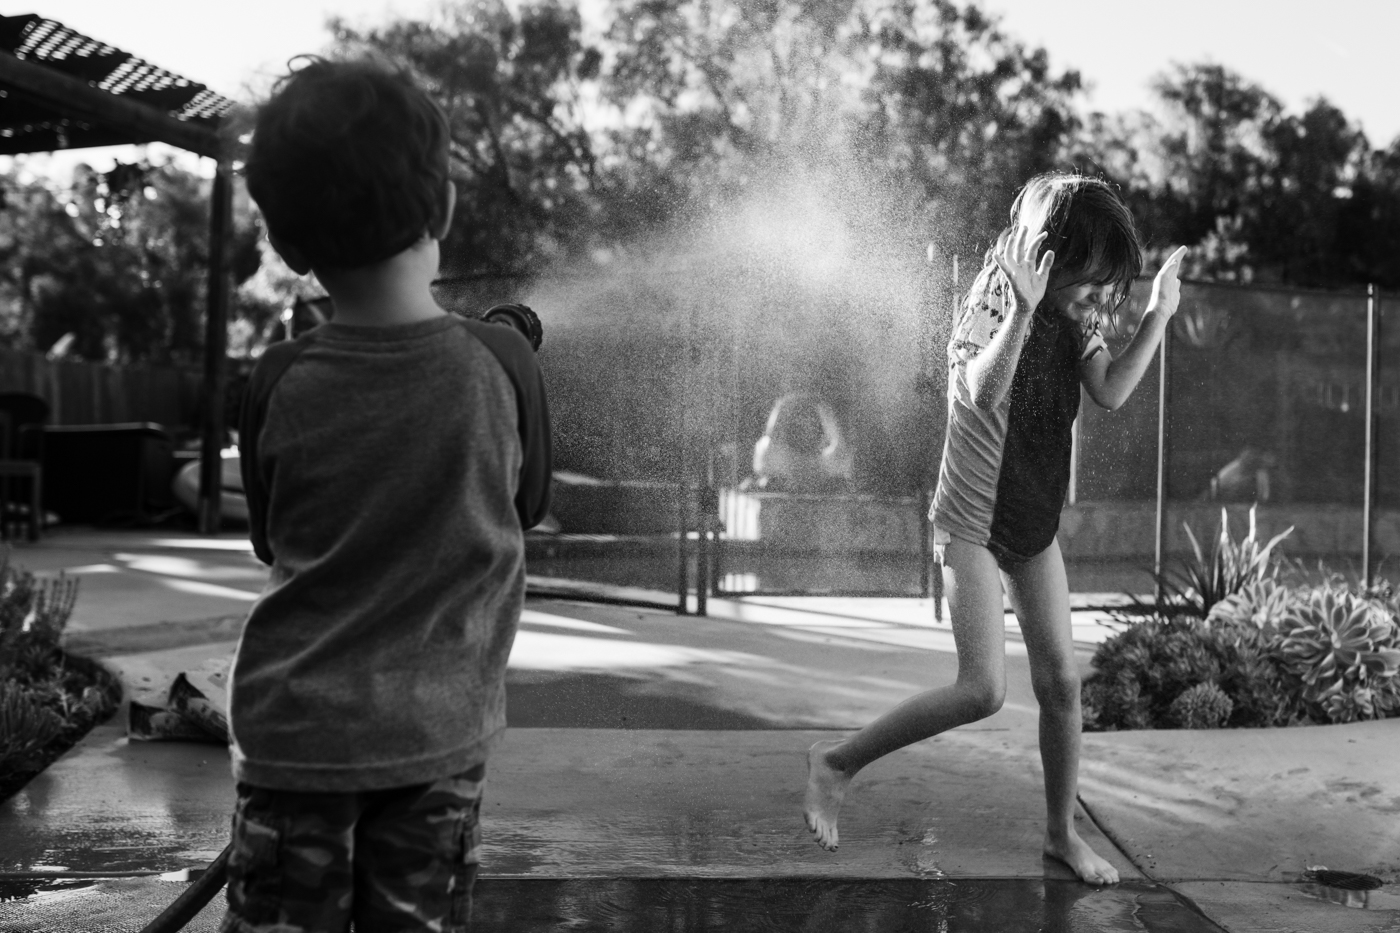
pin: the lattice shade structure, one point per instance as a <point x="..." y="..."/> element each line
<point x="82" y="94"/>
<point x="60" y="89"/>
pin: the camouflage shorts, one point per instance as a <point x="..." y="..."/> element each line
<point x="401" y="859"/>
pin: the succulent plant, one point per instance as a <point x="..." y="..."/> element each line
<point x="1258" y="604"/>
<point x="1228" y="568"/>
<point x="1343" y="651"/>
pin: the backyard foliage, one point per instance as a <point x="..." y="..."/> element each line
<point x="575" y="139"/>
<point x="1230" y="645"/>
<point x="1196" y="587"/>
<point x="48" y="699"/>
<point x="115" y="265"/>
<point x="1342" y="652"/>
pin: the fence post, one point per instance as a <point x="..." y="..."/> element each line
<point x="1368" y="506"/>
<point x="925" y="553"/>
<point x="702" y="565"/>
<point x="707" y="512"/>
<point x="1161" y="526"/>
<point x="682" y="471"/>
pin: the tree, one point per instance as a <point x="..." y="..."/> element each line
<point x="119" y="260"/>
<point x="1260" y="194"/>
<point x="930" y="99"/>
<point x="1214" y="146"/>
<point x="1368" y="225"/>
<point x="512" y="85"/>
<point x="1315" y="162"/>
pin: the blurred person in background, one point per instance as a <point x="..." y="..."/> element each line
<point x="802" y="448"/>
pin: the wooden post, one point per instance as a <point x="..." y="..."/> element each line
<point x="215" y="348"/>
<point x="1373" y="375"/>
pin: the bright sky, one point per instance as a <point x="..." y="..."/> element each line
<point x="1344" y="50"/>
<point x="1296" y="49"/>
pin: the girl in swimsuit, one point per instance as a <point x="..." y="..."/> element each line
<point x="1026" y="340"/>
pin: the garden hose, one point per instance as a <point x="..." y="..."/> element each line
<point x="522" y="318"/>
<point x="188" y="905"/>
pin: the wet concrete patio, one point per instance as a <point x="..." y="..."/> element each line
<point x="652" y="775"/>
<point x="689" y="905"/>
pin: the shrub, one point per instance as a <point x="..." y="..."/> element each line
<point x="26" y="729"/>
<point x="33" y="615"/>
<point x="1265" y="655"/>
<point x="1204" y="706"/>
<point x="1141" y="671"/>
<point x="48" y="699"/>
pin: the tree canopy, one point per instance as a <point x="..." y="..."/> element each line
<point x="1267" y="195"/>
<point x="113" y="267"/>
<point x="573" y="140"/>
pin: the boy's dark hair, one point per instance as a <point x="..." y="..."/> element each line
<point x="349" y="162"/>
<point x="1087" y="225"/>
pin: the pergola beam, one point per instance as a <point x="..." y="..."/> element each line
<point x="45" y="107"/>
<point x="78" y="100"/>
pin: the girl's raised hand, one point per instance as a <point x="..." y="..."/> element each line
<point x="1016" y="257"/>
<point x="1166" y="288"/>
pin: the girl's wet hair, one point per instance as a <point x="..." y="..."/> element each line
<point x="1087" y="225"/>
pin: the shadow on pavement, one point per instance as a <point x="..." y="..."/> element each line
<point x="605" y="701"/>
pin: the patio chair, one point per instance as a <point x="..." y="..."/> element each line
<point x="22" y="419"/>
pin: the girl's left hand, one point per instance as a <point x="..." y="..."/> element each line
<point x="1166" y="288"/>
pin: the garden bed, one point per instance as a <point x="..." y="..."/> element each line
<point x="49" y="699"/>
<point x="1233" y="641"/>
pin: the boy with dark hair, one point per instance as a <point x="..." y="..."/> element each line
<point x="392" y="459"/>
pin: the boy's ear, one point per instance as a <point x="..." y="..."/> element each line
<point x="293" y="257"/>
<point x="449" y="204"/>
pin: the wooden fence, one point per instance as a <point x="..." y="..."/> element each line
<point x="96" y="393"/>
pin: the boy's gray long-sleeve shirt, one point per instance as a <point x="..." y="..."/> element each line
<point x="390" y="472"/>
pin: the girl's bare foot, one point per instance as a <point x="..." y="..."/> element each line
<point x="826" y="786"/>
<point x="1075" y="852"/>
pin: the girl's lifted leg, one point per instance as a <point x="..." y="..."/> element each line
<point x="973" y="587"/>
<point x="1040" y="594"/>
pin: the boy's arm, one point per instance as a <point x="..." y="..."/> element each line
<point x="532" y="408"/>
<point x="249" y="424"/>
<point x="1111" y="381"/>
<point x="537" y="470"/>
<point x="252" y="414"/>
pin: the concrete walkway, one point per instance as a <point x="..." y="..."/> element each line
<point x="650" y="745"/>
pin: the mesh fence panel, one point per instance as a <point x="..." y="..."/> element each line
<point x="664" y="385"/>
<point x="1266" y="403"/>
<point x="804" y="413"/>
